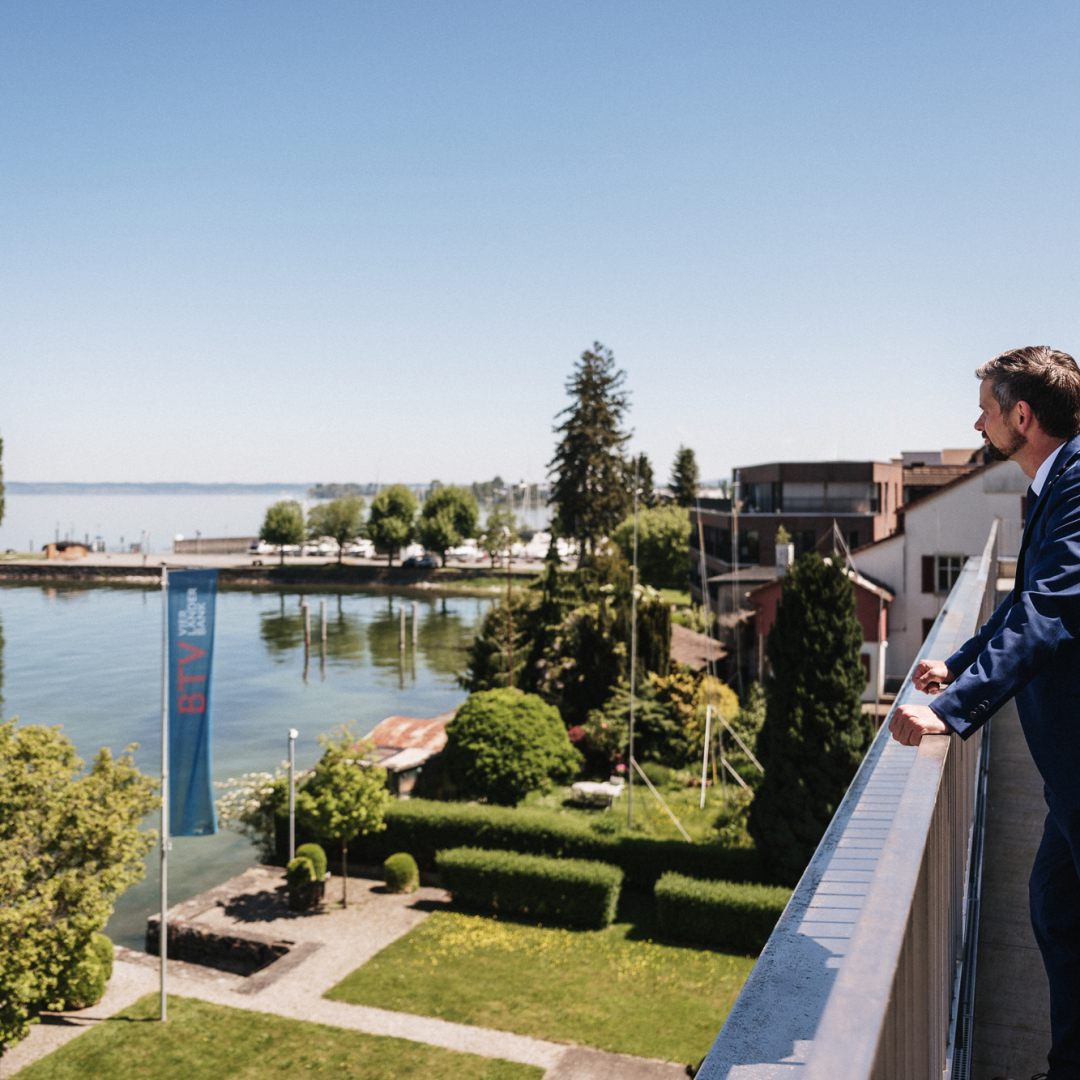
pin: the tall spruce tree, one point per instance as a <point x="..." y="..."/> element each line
<point x="684" y="477"/>
<point x="589" y="489"/>
<point x="815" y="733"/>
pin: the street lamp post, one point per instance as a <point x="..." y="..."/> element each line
<point x="293" y="735"/>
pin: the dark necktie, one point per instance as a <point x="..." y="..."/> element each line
<point x="1029" y="519"/>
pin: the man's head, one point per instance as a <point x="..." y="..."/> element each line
<point x="1037" y="385"/>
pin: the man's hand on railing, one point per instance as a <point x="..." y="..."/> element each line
<point x="911" y="722"/>
<point x="932" y="676"/>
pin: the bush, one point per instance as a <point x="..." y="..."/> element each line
<point x="315" y="853"/>
<point x="300" y="873"/>
<point x="401" y="873"/>
<point x="574" y="891"/>
<point x="660" y="776"/>
<point x="719" y="913"/>
<point x="104" y="949"/>
<point x="423" y="828"/>
<point x="83" y="984"/>
<point x="503" y="744"/>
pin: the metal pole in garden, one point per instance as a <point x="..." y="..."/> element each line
<point x="163" y="924"/>
<point x="633" y="662"/>
<point x="293" y="734"/>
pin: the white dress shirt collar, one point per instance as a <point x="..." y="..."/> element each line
<point x="1044" y="472"/>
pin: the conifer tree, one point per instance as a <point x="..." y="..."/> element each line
<point x="590" y="489"/>
<point x="641" y="466"/>
<point x="815" y="733"/>
<point x="684" y="477"/>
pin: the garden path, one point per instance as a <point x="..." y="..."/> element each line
<point x="331" y="944"/>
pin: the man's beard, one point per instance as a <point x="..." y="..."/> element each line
<point x="1002" y="453"/>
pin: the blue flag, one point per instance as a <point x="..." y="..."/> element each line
<point x="191" y="651"/>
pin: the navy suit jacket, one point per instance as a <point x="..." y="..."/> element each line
<point x="1030" y="648"/>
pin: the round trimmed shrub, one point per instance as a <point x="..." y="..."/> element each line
<point x="103" y="947"/>
<point x="83" y="984"/>
<point x="315" y="853"/>
<point x="300" y="873"/>
<point x="401" y="873"/>
<point x="503" y="744"/>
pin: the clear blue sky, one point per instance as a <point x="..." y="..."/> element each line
<point x="264" y="241"/>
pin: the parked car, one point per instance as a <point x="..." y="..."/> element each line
<point x="420" y="562"/>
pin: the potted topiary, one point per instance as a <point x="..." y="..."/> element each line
<point x="303" y="889"/>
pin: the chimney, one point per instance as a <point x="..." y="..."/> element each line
<point x="785" y="556"/>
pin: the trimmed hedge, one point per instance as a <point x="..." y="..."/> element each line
<point x="424" y="827"/>
<point x="315" y="853"/>
<point x="574" y="891"/>
<point x="400" y="873"/>
<point x="300" y="873"/>
<point x="719" y="913"/>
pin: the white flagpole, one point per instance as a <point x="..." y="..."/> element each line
<point x="163" y="927"/>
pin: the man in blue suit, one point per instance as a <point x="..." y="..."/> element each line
<point x="1030" y="650"/>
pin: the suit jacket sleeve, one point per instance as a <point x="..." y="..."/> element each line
<point x="1021" y="638"/>
<point x="965" y="656"/>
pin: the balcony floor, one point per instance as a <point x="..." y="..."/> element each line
<point x="1012" y="999"/>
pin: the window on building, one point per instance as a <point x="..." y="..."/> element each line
<point x="948" y="570"/>
<point x="875" y="498"/>
<point x="852" y="539"/>
<point x="763" y="498"/>
<point x="749" y="546"/>
<point x="805" y="539"/>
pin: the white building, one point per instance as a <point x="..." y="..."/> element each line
<point x="941" y="530"/>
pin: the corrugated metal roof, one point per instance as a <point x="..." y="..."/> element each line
<point x="403" y="732"/>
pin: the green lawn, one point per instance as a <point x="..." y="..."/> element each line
<point x="679" y="597"/>
<point x="211" y="1042"/>
<point x="612" y="989"/>
<point x="716" y="823"/>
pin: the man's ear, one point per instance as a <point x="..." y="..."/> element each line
<point x="1023" y="417"/>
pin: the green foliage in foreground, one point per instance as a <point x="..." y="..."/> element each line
<point x="719" y="913"/>
<point x="69" y="846"/>
<point x="594" y="987"/>
<point x="83" y="984"/>
<point x="573" y="891"/>
<point x="400" y="873"/>
<point x="503" y="744"/>
<point x="424" y="827"/>
<point x="299" y="873"/>
<point x="340" y="519"/>
<point x="212" y="1042"/>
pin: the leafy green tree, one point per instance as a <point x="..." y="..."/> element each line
<point x="500" y="532"/>
<point x="449" y="515"/>
<point x="663" y="546"/>
<point x="69" y="846"/>
<point x="283" y="525"/>
<point x="589" y="488"/>
<point x="392" y="521"/>
<point x="344" y="797"/>
<point x="502" y="744"/>
<point x="641" y="466"/>
<point x="340" y="519"/>
<point x="684" y="477"/>
<point x="815" y="732"/>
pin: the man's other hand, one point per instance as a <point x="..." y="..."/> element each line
<point x="932" y="676"/>
<point x="911" y="722"/>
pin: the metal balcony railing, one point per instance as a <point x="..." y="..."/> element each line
<point x="864" y="976"/>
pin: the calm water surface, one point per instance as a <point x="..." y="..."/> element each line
<point x="90" y="659"/>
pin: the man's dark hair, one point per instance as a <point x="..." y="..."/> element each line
<point x="1048" y="380"/>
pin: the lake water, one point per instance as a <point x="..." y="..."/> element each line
<point x="89" y="658"/>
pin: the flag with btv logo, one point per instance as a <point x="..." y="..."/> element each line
<point x="191" y="650"/>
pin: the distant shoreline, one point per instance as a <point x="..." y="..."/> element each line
<point x="18" y="487"/>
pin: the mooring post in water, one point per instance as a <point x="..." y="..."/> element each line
<point x="307" y="624"/>
<point x="322" y="611"/>
<point x="401" y="633"/>
<point x="415" y="632"/>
